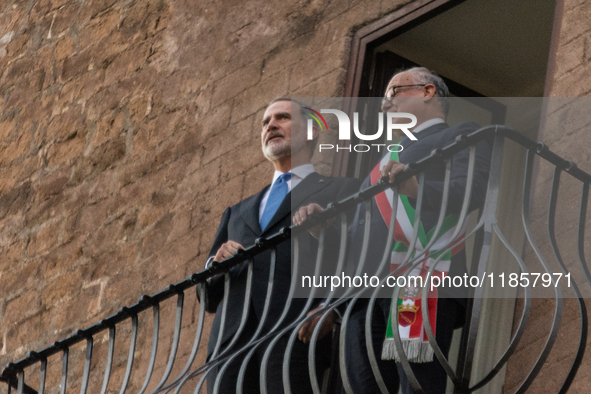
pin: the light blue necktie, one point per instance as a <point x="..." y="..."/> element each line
<point x="276" y="196"/>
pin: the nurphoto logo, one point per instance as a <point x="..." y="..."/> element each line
<point x="392" y="123"/>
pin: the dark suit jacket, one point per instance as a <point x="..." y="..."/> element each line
<point x="437" y="136"/>
<point x="240" y="223"/>
<point x="450" y="312"/>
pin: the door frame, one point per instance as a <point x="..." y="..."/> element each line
<point x="405" y="18"/>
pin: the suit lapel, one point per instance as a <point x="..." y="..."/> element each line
<point x="250" y="211"/>
<point x="312" y="184"/>
<point x="420" y="136"/>
<point x="309" y="186"/>
<point x="425" y="133"/>
<point x="432" y="130"/>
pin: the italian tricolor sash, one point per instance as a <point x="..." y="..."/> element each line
<point x="410" y="316"/>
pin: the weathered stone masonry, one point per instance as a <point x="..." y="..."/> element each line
<point x="127" y="127"/>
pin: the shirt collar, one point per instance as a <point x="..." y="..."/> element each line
<point x="299" y="172"/>
<point x="427" y="124"/>
<point x="303" y="171"/>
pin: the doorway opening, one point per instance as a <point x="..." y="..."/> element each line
<point x="481" y="48"/>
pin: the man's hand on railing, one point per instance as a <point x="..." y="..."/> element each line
<point x="302" y="214"/>
<point x="227" y="250"/>
<point x="307" y="329"/>
<point x="410" y="187"/>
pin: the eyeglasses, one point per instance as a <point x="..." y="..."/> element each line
<point x="392" y="92"/>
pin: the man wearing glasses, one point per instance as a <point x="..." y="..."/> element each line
<point x="422" y="93"/>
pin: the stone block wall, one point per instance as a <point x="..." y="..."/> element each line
<point x="126" y="128"/>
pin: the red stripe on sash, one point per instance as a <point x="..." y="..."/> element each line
<point x="385" y="208"/>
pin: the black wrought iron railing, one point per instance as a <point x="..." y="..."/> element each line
<point x="191" y="377"/>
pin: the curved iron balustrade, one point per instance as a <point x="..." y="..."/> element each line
<point x="14" y="373"/>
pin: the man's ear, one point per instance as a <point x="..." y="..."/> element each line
<point x="429" y="91"/>
<point x="312" y="143"/>
<point x="315" y="132"/>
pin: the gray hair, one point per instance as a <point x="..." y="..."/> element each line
<point x="426" y="76"/>
<point x="303" y="112"/>
<point x="305" y="115"/>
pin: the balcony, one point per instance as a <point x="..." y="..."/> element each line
<point x="486" y="348"/>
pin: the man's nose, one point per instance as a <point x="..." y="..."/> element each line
<point x="386" y="105"/>
<point x="272" y="125"/>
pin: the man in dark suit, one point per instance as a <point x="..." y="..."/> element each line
<point x="422" y="93"/>
<point x="267" y="212"/>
